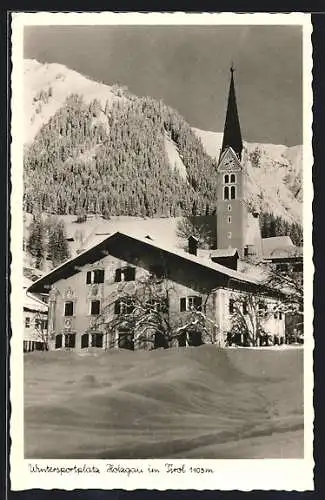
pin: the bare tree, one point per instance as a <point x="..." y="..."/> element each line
<point x="250" y="313"/>
<point x="41" y="330"/>
<point x="142" y="312"/>
<point x="289" y="285"/>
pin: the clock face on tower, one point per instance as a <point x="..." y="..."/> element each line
<point x="228" y="163"/>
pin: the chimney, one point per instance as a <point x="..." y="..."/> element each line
<point x="192" y="245"/>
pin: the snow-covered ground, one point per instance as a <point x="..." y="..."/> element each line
<point x="200" y="402"/>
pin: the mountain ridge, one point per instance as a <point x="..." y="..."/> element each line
<point x="274" y="171"/>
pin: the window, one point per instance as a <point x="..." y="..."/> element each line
<point x="190" y="304"/>
<point x="280" y="315"/>
<point x="229" y="208"/>
<point x="95" y="307"/>
<point x="38" y="323"/>
<point x="96" y="276"/>
<point x="58" y="341"/>
<point x="298" y="268"/>
<point x="70" y="340"/>
<point x="229" y="219"/>
<point x="282" y="267"/>
<point x="158" y="305"/>
<point x="229" y="235"/>
<point x="44" y="324"/>
<point x="276" y="316"/>
<point x="233" y="193"/>
<point x="68" y="308"/>
<point x="157" y="271"/>
<point x="27" y="322"/>
<point x="123" y="306"/>
<point x="96" y="340"/>
<point x="231" y="307"/>
<point x="84" y="340"/>
<point x="226" y="193"/>
<point x="229" y="179"/>
<point x="125" y="339"/>
<point x="125" y="274"/>
<point x="245" y="308"/>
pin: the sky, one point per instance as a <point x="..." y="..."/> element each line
<point x="188" y="68"/>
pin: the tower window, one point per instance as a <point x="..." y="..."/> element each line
<point x="229" y="179"/>
<point x="226" y="193"/>
<point x="232" y="193"/>
<point x="229" y="235"/>
<point x="229" y="219"/>
<point x="229" y="208"/>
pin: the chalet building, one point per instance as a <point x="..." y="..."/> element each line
<point x="282" y="254"/>
<point x="86" y="293"/>
<point x="35" y="322"/>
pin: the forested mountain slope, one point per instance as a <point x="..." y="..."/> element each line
<point x="91" y="147"/>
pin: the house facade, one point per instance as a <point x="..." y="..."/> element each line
<point x="35" y="324"/>
<point x="87" y="293"/>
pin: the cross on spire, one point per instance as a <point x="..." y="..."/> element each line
<point x="232" y="134"/>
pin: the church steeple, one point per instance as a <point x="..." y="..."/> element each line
<point x="232" y="134"/>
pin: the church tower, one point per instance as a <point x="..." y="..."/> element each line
<point x="236" y="227"/>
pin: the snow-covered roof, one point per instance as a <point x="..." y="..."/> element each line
<point x="280" y="247"/>
<point x="32" y="303"/>
<point x="94" y="253"/>
<point x="223" y="252"/>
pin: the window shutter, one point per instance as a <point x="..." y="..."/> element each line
<point x="132" y="273"/>
<point x="84" y="340"/>
<point x="95" y="307"/>
<point x="99" y="340"/>
<point x="198" y="303"/>
<point x="117" y="307"/>
<point x="58" y="341"/>
<point x="88" y="279"/>
<point x="182" y="303"/>
<point x="68" y="309"/>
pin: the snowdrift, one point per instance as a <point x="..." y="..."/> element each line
<point x="200" y="402"/>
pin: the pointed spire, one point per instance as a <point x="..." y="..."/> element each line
<point x="232" y="134"/>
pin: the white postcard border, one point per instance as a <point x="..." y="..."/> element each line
<point x="283" y="474"/>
